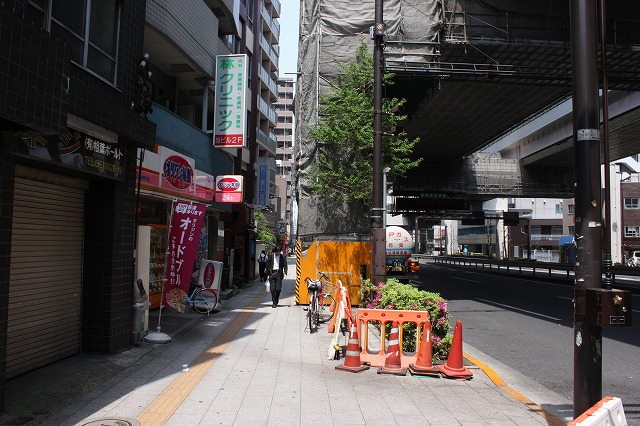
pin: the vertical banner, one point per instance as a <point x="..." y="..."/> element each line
<point x="230" y="109"/>
<point x="186" y="224"/>
<point x="263" y="179"/>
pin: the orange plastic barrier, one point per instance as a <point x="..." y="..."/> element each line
<point x="376" y="357"/>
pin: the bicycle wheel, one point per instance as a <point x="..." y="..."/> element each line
<point x="310" y="315"/>
<point x="204" y="301"/>
<point x="327" y="308"/>
<point x="316" y="312"/>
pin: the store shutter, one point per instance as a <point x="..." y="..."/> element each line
<point x="46" y="275"/>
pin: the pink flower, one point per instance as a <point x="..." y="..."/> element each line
<point x="442" y="320"/>
<point x="436" y="339"/>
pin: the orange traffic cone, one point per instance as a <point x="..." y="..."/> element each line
<point x="454" y="369"/>
<point x="352" y="359"/>
<point x="424" y="363"/>
<point x="393" y="363"/>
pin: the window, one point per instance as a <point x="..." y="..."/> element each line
<point x="89" y="29"/>
<point x="558" y="208"/>
<point x="631" y="203"/>
<point x="570" y="208"/>
<point x="632" y="231"/>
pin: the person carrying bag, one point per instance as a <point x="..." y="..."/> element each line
<point x="276" y="270"/>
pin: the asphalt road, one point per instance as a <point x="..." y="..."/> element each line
<point x="528" y="326"/>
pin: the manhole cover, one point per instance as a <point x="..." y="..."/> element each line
<point x="112" y="421"/>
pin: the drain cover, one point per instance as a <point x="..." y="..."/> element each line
<point x="112" y="421"/>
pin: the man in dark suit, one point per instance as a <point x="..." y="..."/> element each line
<point x="276" y="270"/>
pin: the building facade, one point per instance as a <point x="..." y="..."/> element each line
<point x="284" y="157"/>
<point x="259" y="38"/>
<point x="69" y="137"/>
<point x="100" y="104"/>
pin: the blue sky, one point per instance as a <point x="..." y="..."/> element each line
<point x="289" y="17"/>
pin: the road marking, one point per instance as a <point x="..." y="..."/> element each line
<point x="518" y="309"/>
<point x="464" y="279"/>
<point x="514" y="393"/>
<point x="162" y="408"/>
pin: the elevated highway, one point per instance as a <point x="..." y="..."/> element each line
<point x="492" y="103"/>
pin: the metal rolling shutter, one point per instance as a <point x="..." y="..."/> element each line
<point x="46" y="275"/>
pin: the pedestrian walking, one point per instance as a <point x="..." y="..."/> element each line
<point x="276" y="270"/>
<point x="262" y="265"/>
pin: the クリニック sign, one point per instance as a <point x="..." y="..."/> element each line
<point x="230" y="105"/>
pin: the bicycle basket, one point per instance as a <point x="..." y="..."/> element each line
<point x="314" y="286"/>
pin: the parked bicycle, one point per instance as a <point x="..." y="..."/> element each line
<point x="322" y="305"/>
<point x="203" y="300"/>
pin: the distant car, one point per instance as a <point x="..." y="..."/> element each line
<point x="634" y="259"/>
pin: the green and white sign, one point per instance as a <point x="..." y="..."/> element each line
<point x="230" y="108"/>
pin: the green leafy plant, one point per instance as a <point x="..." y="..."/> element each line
<point x="344" y="135"/>
<point x="397" y="296"/>
<point x="263" y="233"/>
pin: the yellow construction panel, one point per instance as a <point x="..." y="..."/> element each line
<point x="340" y="260"/>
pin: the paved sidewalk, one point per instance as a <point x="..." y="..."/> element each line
<point x="252" y="364"/>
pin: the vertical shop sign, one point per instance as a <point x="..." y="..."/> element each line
<point x="230" y="109"/>
<point x="186" y="224"/>
<point x="263" y="178"/>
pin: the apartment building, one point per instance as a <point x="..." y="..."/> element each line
<point x="284" y="157"/>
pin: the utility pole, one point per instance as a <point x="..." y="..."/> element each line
<point x="587" y="353"/>
<point x="378" y="253"/>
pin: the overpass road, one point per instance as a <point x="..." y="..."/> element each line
<point x="526" y="327"/>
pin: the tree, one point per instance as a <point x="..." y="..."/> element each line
<point x="263" y="234"/>
<point x="344" y="135"/>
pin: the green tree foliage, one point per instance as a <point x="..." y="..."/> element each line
<point x="263" y="234"/>
<point x="344" y="135"/>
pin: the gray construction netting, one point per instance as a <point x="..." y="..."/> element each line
<point x="331" y="30"/>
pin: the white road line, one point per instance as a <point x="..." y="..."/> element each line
<point x="464" y="279"/>
<point x="521" y="310"/>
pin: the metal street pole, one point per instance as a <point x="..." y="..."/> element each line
<point x="587" y="353"/>
<point x="378" y="254"/>
<point x="608" y="276"/>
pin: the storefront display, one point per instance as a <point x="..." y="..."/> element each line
<point x="157" y="262"/>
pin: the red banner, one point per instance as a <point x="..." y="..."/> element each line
<point x="186" y="224"/>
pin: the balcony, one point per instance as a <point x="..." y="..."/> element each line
<point x="276" y="6"/>
<point x="271" y="23"/>
<point x="177" y="134"/>
<point x="267" y="111"/>
<point x="269" y="144"/>
<point x="268" y="81"/>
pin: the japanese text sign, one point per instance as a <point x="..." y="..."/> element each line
<point x="186" y="224"/>
<point x="229" y="188"/>
<point x="75" y="149"/>
<point x="230" y="109"/>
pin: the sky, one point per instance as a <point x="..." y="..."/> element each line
<point x="289" y="18"/>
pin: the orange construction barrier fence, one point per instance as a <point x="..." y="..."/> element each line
<point x="371" y="324"/>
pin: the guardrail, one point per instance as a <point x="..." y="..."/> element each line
<point x="556" y="271"/>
